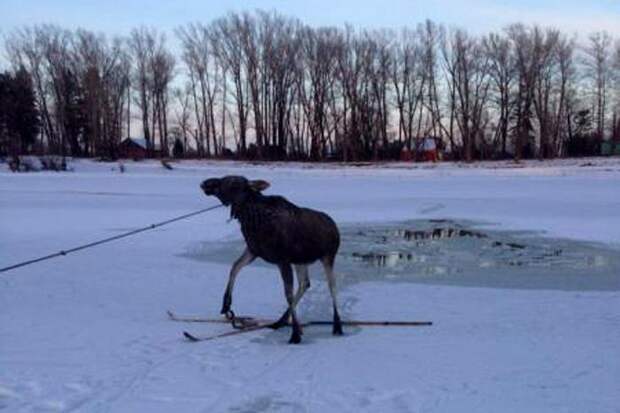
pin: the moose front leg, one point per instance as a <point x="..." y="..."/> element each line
<point x="246" y="258"/>
<point x="286" y="271"/>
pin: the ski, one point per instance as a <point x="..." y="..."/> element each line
<point x="239" y="322"/>
<point x="196" y="338"/>
<point x="368" y="323"/>
<point x="195" y="319"/>
<point x="251" y="321"/>
<point x="247" y="324"/>
<point x="262" y="325"/>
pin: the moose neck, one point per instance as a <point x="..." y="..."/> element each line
<point x="237" y="208"/>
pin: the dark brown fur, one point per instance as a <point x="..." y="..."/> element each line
<point x="281" y="233"/>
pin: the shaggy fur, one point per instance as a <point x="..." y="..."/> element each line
<point x="281" y="233"/>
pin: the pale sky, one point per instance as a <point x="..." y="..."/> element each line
<point x="118" y="17"/>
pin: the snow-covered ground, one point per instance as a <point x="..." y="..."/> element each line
<point x="88" y="332"/>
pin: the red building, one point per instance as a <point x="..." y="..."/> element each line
<point x="426" y="150"/>
<point x="133" y="148"/>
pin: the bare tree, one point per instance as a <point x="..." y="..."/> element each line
<point x="162" y="68"/>
<point x="502" y="73"/>
<point x="102" y="69"/>
<point x="275" y="88"/>
<point x="405" y="79"/>
<point x="527" y="46"/>
<point x="315" y="83"/>
<point x="380" y="81"/>
<point x="430" y="35"/>
<point x="468" y="67"/>
<point x="182" y="112"/>
<point x="281" y="53"/>
<point x="25" y="49"/>
<point x="598" y="64"/>
<point x="198" y="43"/>
<point x="141" y="45"/>
<point x="246" y="37"/>
<point x="565" y="94"/>
<point x="616" y="115"/>
<point x="543" y="91"/>
<point x="227" y="43"/>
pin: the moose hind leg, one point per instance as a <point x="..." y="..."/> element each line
<point x="287" y="278"/>
<point x="328" y="265"/>
<point x="246" y="258"/>
<point x="303" y="285"/>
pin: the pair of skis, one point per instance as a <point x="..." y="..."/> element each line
<point x="246" y="324"/>
<point x="240" y="325"/>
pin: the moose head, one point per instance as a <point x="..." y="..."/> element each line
<point x="233" y="189"/>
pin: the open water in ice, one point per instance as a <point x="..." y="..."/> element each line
<point x="457" y="252"/>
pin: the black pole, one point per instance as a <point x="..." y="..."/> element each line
<point x="106" y="240"/>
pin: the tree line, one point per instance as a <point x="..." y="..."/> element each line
<point x="265" y="86"/>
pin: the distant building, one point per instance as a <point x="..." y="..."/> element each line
<point x="427" y="149"/>
<point x="135" y="148"/>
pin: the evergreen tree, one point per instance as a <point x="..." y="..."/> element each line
<point x="4" y="132"/>
<point x="177" y="149"/>
<point x="19" y="117"/>
<point x="76" y="122"/>
<point x="26" y="113"/>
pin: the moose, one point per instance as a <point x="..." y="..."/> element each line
<point x="280" y="233"/>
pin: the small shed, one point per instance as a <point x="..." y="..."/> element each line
<point x="133" y="148"/>
<point x="428" y="149"/>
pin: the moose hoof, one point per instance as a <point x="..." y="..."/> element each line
<point x="295" y="338"/>
<point x="276" y="325"/>
<point x="337" y="330"/>
<point x="282" y="321"/>
<point x="229" y="314"/>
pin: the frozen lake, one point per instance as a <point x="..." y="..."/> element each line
<point x="516" y="265"/>
<point x="457" y="252"/>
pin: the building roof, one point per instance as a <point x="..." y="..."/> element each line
<point x="429" y="144"/>
<point x="141" y="142"/>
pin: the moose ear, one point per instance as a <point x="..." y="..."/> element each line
<point x="259" y="185"/>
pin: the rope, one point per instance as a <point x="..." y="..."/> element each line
<point x="105" y="240"/>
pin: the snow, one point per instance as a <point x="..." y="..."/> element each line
<point x="88" y="332"/>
